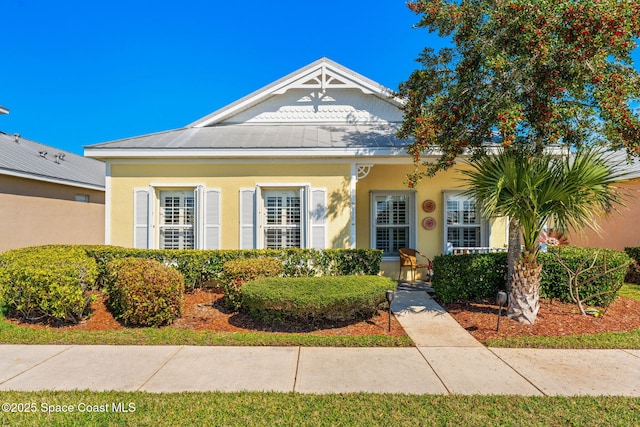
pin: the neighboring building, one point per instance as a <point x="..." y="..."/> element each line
<point x="309" y="161"/>
<point x="620" y="228"/>
<point x="48" y="196"/>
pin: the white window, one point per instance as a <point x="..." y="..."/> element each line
<point x="177" y="219"/>
<point x="393" y="221"/>
<point x="282" y="217"/>
<point x="187" y="218"/>
<point x="463" y="226"/>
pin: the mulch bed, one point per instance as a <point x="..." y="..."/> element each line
<point x="554" y="319"/>
<point x="204" y="310"/>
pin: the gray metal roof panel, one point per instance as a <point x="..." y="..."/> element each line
<point x="22" y="157"/>
<point x="284" y="136"/>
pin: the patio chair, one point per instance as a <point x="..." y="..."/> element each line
<point x="409" y="258"/>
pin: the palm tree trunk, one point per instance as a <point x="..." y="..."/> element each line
<point x="524" y="298"/>
<point x="513" y="250"/>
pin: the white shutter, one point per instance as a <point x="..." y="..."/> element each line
<point x="212" y="219"/>
<point x="247" y="218"/>
<point x="318" y="218"/>
<point x="141" y="213"/>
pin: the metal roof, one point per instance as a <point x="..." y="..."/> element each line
<point x="285" y="137"/>
<point x="29" y="159"/>
<point x="629" y="168"/>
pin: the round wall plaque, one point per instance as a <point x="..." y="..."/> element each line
<point x="428" y="206"/>
<point x="429" y="223"/>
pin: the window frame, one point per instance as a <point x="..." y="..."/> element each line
<point x="481" y="223"/>
<point x="411" y="222"/>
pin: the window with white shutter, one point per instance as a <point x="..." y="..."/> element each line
<point x="463" y="225"/>
<point x="177" y="220"/>
<point x="392" y="221"/>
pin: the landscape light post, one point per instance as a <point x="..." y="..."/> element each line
<point x="390" y="296"/>
<point x="501" y="299"/>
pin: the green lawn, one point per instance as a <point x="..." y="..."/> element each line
<point x="12" y="334"/>
<point x="630" y="290"/>
<point x="290" y="409"/>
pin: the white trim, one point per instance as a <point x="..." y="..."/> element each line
<point x="256" y="161"/>
<point x="184" y="185"/>
<point x="107" y="205"/>
<point x="244" y="152"/>
<point x="352" y="208"/>
<point x="413" y="219"/>
<point x="485" y="226"/>
<point x="297" y="79"/>
<point x="51" y="180"/>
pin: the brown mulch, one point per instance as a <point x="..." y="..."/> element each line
<point x="554" y="319"/>
<point x="204" y="310"/>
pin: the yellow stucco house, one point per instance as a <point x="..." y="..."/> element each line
<point x="308" y="161"/>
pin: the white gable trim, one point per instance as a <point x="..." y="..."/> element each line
<point x="321" y="74"/>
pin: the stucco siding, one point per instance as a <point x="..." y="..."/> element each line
<point x="428" y="242"/>
<point x="229" y="179"/>
<point x="38" y="213"/>
<point x="619" y="229"/>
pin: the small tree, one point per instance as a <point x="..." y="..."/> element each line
<point x="535" y="190"/>
<point x="537" y="73"/>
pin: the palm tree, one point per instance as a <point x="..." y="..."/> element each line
<point x="534" y="190"/>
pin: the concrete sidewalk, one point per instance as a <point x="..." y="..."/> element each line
<point x="445" y="361"/>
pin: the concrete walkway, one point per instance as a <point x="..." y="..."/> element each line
<point x="446" y="360"/>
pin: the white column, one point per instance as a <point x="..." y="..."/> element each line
<point x="352" y="190"/>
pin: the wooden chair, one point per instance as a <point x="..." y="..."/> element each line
<point x="409" y="259"/>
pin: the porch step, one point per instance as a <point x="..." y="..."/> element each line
<point x="417" y="286"/>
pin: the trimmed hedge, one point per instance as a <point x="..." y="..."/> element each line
<point x="309" y="299"/>
<point x="47" y="282"/>
<point x="554" y="281"/>
<point x="144" y="292"/>
<point x="201" y="266"/>
<point x="469" y="276"/>
<point x="242" y="270"/>
<point x="478" y="276"/>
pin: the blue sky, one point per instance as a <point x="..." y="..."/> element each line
<point x="77" y="73"/>
<point x="80" y="72"/>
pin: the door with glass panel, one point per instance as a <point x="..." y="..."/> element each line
<point x="282" y="219"/>
<point x="177" y="218"/>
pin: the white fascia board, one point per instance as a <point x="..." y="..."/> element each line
<point x="51" y="180"/>
<point x="389" y="160"/>
<point x="243" y="153"/>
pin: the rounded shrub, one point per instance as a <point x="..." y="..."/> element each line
<point x="144" y="292"/>
<point x="602" y="279"/>
<point x="47" y="283"/>
<point x="339" y="298"/>
<point x="242" y="270"/>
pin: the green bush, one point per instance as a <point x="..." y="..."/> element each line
<point x="202" y="266"/>
<point x="47" y="282"/>
<point x="311" y="299"/>
<point x="242" y="270"/>
<point x="469" y="276"/>
<point x="144" y="292"/>
<point x="478" y="276"/>
<point x="601" y="292"/>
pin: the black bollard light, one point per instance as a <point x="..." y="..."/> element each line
<point x="501" y="300"/>
<point x="390" y="296"/>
